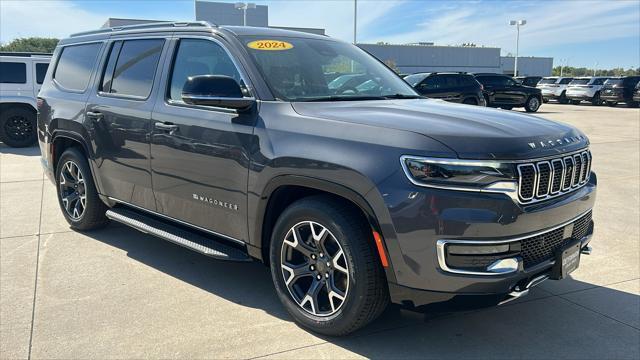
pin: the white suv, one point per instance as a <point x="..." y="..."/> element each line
<point x="585" y="88"/>
<point x="21" y="76"/>
<point x="554" y="87"/>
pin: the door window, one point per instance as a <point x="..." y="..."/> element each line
<point x="13" y="73"/>
<point x="41" y="72"/>
<point x="199" y="57"/>
<point x="131" y="67"/>
<point x="433" y="82"/>
<point x="75" y="65"/>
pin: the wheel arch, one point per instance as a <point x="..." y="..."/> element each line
<point x="64" y="139"/>
<point x="283" y="190"/>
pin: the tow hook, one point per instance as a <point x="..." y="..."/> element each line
<point x="586" y="250"/>
<point x="519" y="291"/>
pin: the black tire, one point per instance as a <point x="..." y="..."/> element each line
<point x="632" y="104"/>
<point x="575" y="102"/>
<point x="366" y="292"/>
<point x="470" y="101"/>
<point x="532" y="104"/>
<point x="18" y="127"/>
<point x="91" y="215"/>
<point x="563" y="98"/>
<point x="545" y="100"/>
<point x="506" y="107"/>
<point x="596" y="101"/>
<point x="612" y="103"/>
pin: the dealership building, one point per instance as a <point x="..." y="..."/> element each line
<point x="407" y="58"/>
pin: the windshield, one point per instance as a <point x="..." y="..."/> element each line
<point x="579" y="82"/>
<point x="548" y="81"/>
<point x="303" y="69"/>
<point x="415" y="79"/>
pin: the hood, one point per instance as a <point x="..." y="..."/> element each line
<point x="473" y="132"/>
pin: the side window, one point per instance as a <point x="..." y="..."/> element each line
<point x="13" y="73"/>
<point x="198" y="57"/>
<point x="131" y="67"/>
<point x="75" y="64"/>
<point x="451" y="81"/>
<point x="565" y="81"/>
<point x="433" y="82"/>
<point x="487" y="80"/>
<point x="41" y="72"/>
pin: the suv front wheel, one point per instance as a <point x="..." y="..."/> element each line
<point x="325" y="267"/>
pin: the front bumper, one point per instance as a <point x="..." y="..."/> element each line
<point x="420" y="217"/>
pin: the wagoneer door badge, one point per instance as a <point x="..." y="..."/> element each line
<point x="216" y="202"/>
<point x="551" y="143"/>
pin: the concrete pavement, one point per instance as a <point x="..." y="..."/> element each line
<point x="117" y="293"/>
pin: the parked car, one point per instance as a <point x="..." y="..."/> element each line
<point x="585" y="88"/>
<point x="619" y="90"/>
<point x="528" y="80"/>
<point x="636" y="94"/>
<point x="554" y="88"/>
<point x="504" y="92"/>
<point x="198" y="135"/>
<point x="454" y="87"/>
<point x="21" y="76"/>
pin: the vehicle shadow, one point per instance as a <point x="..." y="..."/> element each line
<point x="542" y="325"/>
<point x="25" y="151"/>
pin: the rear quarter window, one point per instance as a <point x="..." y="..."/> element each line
<point x="13" y="73"/>
<point x="41" y="72"/>
<point x="75" y="65"/>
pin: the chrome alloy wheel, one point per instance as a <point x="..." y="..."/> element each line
<point x="72" y="190"/>
<point x="314" y="268"/>
<point x="534" y="104"/>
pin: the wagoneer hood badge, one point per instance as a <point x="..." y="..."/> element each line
<point x="557" y="142"/>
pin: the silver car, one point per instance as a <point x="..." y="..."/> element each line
<point x="585" y="88"/>
<point x="554" y="87"/>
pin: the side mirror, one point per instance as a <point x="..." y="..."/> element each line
<point x="215" y="90"/>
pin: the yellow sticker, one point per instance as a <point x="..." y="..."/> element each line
<point x="270" y="45"/>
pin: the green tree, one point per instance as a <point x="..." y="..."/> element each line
<point x="582" y="71"/>
<point x="31" y="44"/>
<point x="392" y="65"/>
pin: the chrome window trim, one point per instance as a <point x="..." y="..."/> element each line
<point x="442" y="243"/>
<point x="237" y="241"/>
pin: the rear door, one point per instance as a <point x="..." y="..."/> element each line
<point x="200" y="154"/>
<point x="119" y="113"/>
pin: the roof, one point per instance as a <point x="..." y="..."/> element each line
<point x="264" y="31"/>
<point x="26" y="54"/>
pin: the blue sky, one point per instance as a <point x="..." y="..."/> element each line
<point x="579" y="32"/>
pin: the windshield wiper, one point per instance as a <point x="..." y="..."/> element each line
<point x="403" y="96"/>
<point x="341" y="98"/>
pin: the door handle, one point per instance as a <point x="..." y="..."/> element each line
<point x="97" y="116"/>
<point x="166" y="126"/>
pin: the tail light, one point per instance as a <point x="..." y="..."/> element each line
<point x="39" y="103"/>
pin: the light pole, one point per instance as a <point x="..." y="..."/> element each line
<point x="355" y="20"/>
<point x="595" y="69"/>
<point x="244" y="7"/>
<point x="517" y="23"/>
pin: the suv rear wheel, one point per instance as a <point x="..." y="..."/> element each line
<point x="18" y="127"/>
<point x="77" y="195"/>
<point x="532" y="104"/>
<point x="563" y="98"/>
<point x="324" y="266"/>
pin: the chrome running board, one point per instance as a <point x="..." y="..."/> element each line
<point x="191" y="240"/>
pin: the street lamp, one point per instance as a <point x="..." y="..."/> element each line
<point x="244" y="7"/>
<point x="517" y="23"/>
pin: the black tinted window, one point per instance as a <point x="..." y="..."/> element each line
<point x="565" y="81"/>
<point x="199" y="57"/>
<point x="134" y="68"/>
<point x="75" y="64"/>
<point x="599" y="81"/>
<point x="41" y="72"/>
<point x="631" y="81"/>
<point x="496" y="80"/>
<point x="13" y="73"/>
<point x="433" y="82"/>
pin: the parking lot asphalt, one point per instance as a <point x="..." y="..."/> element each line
<point x="118" y="293"/>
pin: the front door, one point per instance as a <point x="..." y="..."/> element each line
<point x="119" y="115"/>
<point x="200" y="155"/>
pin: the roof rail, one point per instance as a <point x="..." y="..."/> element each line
<point x="25" y="54"/>
<point x="145" y="26"/>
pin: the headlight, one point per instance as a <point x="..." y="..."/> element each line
<point x="455" y="173"/>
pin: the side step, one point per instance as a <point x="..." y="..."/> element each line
<point x="191" y="240"/>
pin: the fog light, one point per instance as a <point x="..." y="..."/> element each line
<point x="504" y="266"/>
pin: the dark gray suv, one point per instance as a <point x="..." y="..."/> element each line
<point x="229" y="141"/>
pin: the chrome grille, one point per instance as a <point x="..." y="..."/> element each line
<point x="542" y="180"/>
